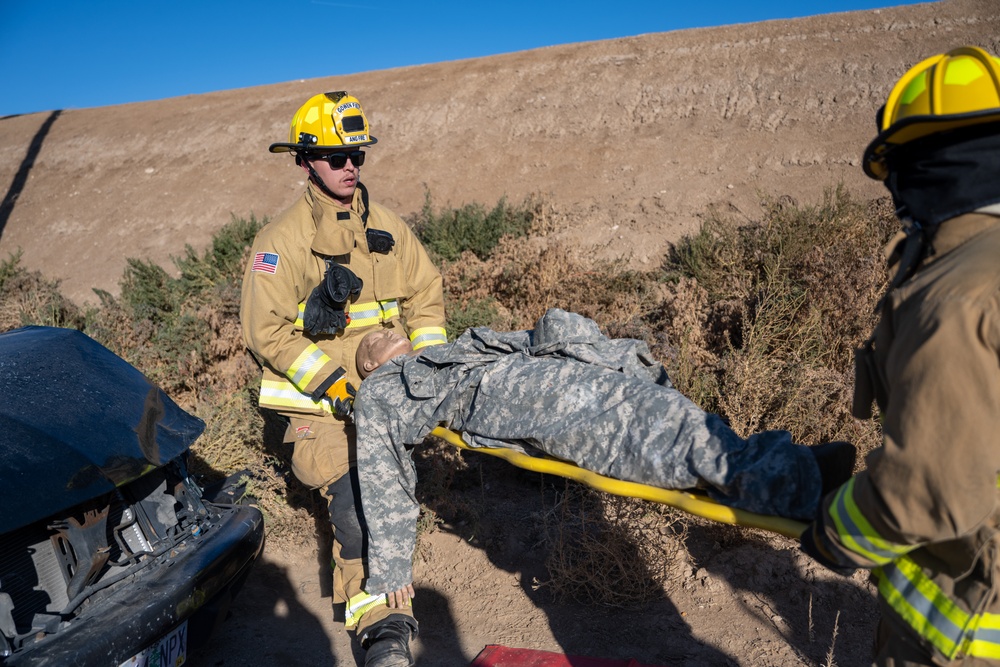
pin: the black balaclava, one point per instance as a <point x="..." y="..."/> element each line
<point x="945" y="175"/>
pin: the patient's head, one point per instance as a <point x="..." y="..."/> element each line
<point x="379" y="347"/>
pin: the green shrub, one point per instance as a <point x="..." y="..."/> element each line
<point x="448" y="233"/>
<point x="10" y="268"/>
<point x="474" y="313"/>
<point x="179" y="331"/>
<point x="27" y="297"/>
<point x="149" y="293"/>
<point x="223" y="261"/>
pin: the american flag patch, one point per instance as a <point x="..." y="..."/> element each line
<point x="265" y="261"/>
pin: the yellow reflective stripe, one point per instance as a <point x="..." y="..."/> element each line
<point x="428" y="336"/>
<point x="364" y="318"/>
<point x="982" y="649"/>
<point x="920" y="603"/>
<point x="358" y="605"/>
<point x="934" y="616"/>
<point x="280" y="394"/>
<point x="372" y="312"/>
<point x="305" y="367"/>
<point x="361" y="314"/>
<point x="985" y="640"/>
<point x="857" y="534"/>
<point x="390" y="309"/>
<point x="365" y="314"/>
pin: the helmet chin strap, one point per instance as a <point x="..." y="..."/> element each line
<point x="314" y="177"/>
<point x="364" y="203"/>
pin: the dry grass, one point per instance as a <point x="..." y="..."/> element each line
<point x="609" y="550"/>
<point x="754" y="319"/>
<point x="790" y="297"/>
<point x="27" y="297"/>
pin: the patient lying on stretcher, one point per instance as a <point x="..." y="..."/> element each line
<point x="565" y="390"/>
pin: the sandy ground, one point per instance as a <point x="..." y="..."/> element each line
<point x="631" y="142"/>
<point x="735" y="597"/>
<point x="734" y="610"/>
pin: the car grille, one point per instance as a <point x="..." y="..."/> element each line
<point x="31" y="574"/>
<point x="51" y="569"/>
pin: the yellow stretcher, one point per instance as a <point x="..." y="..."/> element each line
<point x="694" y="504"/>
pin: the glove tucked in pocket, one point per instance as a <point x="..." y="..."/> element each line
<point x="327" y="305"/>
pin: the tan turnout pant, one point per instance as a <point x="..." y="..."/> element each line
<point x="324" y="458"/>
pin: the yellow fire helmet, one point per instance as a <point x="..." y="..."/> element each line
<point x="327" y="121"/>
<point x="945" y="92"/>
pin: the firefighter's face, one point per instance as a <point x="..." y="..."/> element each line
<point x="342" y="181"/>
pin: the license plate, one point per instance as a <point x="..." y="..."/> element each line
<point x="170" y="651"/>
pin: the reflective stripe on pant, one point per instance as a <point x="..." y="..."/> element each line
<point x="325" y="451"/>
<point x="920" y="603"/>
<point x="896" y="646"/>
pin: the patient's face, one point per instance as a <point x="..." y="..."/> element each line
<point x="379" y="347"/>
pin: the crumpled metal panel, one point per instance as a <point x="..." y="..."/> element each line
<point x="76" y="421"/>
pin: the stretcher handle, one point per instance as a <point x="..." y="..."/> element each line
<point x="682" y="500"/>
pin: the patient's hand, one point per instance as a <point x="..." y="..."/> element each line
<point x="401" y="598"/>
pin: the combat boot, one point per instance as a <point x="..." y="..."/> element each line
<point x="387" y="643"/>
<point x="836" y="463"/>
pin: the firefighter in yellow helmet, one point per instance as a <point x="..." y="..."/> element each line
<point x="924" y="515"/>
<point x="330" y="269"/>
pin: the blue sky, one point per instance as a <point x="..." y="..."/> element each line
<point x="71" y="54"/>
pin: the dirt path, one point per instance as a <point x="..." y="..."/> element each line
<point x="736" y="598"/>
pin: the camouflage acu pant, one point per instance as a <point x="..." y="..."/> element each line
<point x="324" y="458"/>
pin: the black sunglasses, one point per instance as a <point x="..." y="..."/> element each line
<point x="338" y="160"/>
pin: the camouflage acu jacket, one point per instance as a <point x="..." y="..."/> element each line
<point x="566" y="390"/>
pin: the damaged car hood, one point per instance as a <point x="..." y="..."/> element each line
<point x="77" y="421"/>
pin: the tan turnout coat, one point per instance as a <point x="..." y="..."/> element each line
<point x="924" y="514"/>
<point x="401" y="289"/>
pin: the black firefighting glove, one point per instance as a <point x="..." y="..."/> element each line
<point x="339" y="391"/>
<point x="326" y="307"/>
<point x="812" y="546"/>
<point x="835" y="461"/>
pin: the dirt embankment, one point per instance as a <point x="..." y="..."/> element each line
<point x="629" y="139"/>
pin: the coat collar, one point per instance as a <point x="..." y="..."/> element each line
<point x="949" y="235"/>
<point x="335" y="232"/>
<point x="956" y="231"/>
